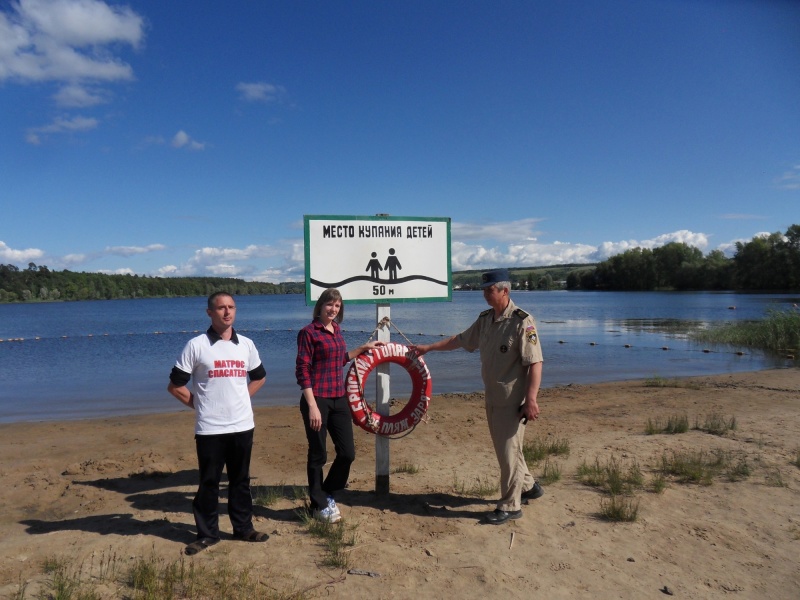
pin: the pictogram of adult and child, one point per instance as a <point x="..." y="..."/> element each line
<point x="391" y="266"/>
<point x="378" y="272"/>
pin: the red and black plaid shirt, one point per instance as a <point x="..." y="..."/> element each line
<point x="321" y="355"/>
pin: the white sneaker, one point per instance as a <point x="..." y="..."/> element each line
<point x="333" y="507"/>
<point x="328" y="515"/>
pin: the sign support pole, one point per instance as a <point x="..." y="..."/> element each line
<point x="382" y="401"/>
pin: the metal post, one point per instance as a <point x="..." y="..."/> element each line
<point x="382" y="406"/>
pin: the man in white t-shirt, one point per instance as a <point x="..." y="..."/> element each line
<point x="225" y="370"/>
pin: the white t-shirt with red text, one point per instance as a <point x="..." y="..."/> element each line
<point x="219" y="382"/>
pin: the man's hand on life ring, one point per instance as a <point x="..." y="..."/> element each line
<point x="418" y="350"/>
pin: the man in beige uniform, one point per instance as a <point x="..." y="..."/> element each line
<point x="511" y="368"/>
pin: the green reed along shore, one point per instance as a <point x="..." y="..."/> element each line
<point x="778" y="332"/>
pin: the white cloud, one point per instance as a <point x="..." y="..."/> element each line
<point x="134" y="250"/>
<point x="74" y="259"/>
<point x="75" y="95"/>
<point x="167" y="271"/>
<point x="66" y="40"/>
<point x="60" y="125"/>
<point x="184" y="140"/>
<point x="13" y="256"/>
<point x="124" y="271"/>
<point x="260" y="92"/>
<point x="729" y="248"/>
<point x="70" y="43"/>
<point x="524" y="249"/>
<point x="510" y="230"/>
<point x="226" y="270"/>
<point x="790" y="180"/>
<point x="247" y="262"/>
<point x="608" y="249"/>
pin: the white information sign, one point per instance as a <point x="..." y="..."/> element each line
<point x="380" y="259"/>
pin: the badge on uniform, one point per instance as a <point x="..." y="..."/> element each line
<point x="530" y="333"/>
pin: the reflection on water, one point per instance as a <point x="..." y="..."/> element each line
<point x="678" y="328"/>
<point x="87" y="359"/>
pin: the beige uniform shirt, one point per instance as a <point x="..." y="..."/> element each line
<point x="507" y="346"/>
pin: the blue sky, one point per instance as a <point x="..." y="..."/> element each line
<point x="190" y="137"/>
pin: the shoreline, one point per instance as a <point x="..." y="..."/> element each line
<point x="289" y="392"/>
<point x="123" y="485"/>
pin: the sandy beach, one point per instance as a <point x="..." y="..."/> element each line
<point x="98" y="492"/>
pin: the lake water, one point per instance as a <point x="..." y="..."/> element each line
<point x="96" y="359"/>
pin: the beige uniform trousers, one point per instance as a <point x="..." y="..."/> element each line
<point x="508" y="436"/>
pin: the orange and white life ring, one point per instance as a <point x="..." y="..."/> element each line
<point x="417" y="405"/>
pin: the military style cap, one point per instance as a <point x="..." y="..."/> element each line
<point x="491" y="277"/>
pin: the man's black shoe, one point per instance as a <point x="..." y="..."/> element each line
<point x="532" y="494"/>
<point x="501" y="516"/>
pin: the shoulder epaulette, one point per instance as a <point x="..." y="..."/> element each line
<point x="521" y="314"/>
<point x="486" y="312"/>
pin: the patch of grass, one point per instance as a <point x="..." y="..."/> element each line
<point x="701" y="467"/>
<point x="315" y="527"/>
<point x="64" y="580"/>
<point x="267" y="495"/>
<point x="660" y="382"/>
<point x="795" y="531"/>
<point x="778" y="332"/>
<point x="716" y="424"/>
<point x="613" y="477"/>
<point x="619" y="508"/>
<point x="738" y="469"/>
<point x="674" y="424"/>
<point x="337" y="538"/>
<point x="551" y="473"/>
<point x="338" y="546"/>
<point x="655" y="381"/>
<point x="299" y="493"/>
<point x="774" y="478"/>
<point x="538" y="449"/>
<point x="481" y="488"/>
<point x="796" y="461"/>
<point x="658" y="483"/>
<point x="155" y="578"/>
<point x="21" y="587"/>
<point x="592" y="475"/>
<point x="145" y="576"/>
<point x="688" y="467"/>
<point x="108" y="566"/>
<point x="409" y="468"/>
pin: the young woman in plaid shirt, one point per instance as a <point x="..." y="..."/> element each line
<point x="321" y="357"/>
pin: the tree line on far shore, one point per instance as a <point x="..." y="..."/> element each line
<point x="40" y="284"/>
<point x="765" y="263"/>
